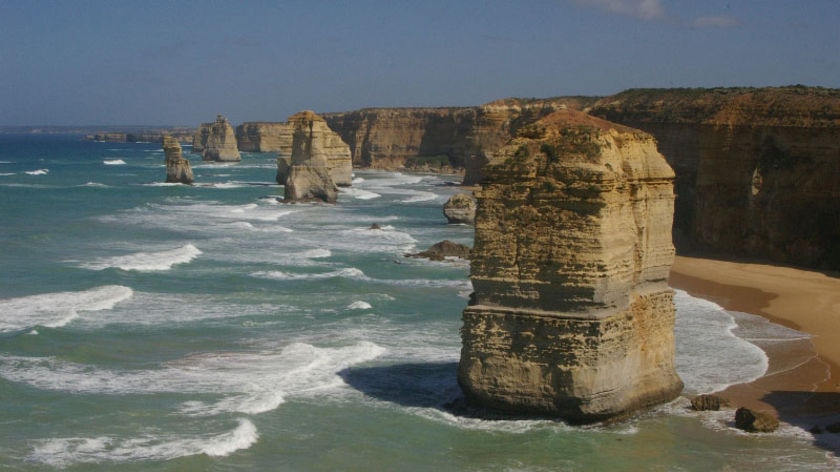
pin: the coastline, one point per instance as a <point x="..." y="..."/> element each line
<point x="801" y="390"/>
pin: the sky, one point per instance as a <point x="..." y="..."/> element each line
<point x="121" y="62"/>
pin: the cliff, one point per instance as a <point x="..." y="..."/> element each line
<point x="422" y="138"/>
<point x="178" y="168"/>
<point x="216" y="141"/>
<point x="183" y="135"/>
<point x="572" y="315"/>
<point x="261" y="136"/>
<point x="758" y="170"/>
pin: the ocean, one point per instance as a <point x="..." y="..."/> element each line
<point x="157" y="327"/>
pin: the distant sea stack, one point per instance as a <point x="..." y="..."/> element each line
<point x="216" y="141"/>
<point x="572" y="315"/>
<point x="320" y="161"/>
<point x="177" y="167"/>
<point x="263" y="136"/>
<point x="758" y="169"/>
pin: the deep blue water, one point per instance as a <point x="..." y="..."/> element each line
<point x="146" y="326"/>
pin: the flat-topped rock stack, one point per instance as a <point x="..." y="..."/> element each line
<point x="216" y="141"/>
<point x="572" y="315"/>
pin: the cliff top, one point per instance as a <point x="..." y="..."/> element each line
<point x="305" y="115"/>
<point x="795" y="105"/>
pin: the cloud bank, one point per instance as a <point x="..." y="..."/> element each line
<point x="640" y="9"/>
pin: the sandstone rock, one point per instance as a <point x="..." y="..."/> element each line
<point x="572" y="315"/>
<point x="708" y="403"/>
<point x="261" y="136"/>
<point x="460" y="209"/>
<point x="177" y="167"/>
<point x="755" y="421"/>
<point x="442" y="250"/>
<point x="220" y="142"/>
<point x="757" y="168"/>
<point x="319" y="161"/>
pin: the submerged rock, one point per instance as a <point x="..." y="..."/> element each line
<point x="460" y="209"/>
<point x="178" y="168"/>
<point x="572" y="315"/>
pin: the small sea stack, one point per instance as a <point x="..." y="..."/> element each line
<point x="178" y="168"/>
<point x="572" y="316"/>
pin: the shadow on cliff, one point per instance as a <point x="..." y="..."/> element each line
<point x="816" y="412"/>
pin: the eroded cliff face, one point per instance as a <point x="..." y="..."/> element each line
<point x="572" y="315"/>
<point x="261" y="136"/>
<point x="216" y="141"/>
<point x="758" y="170"/>
<point x="391" y="138"/>
<point x="319" y="162"/>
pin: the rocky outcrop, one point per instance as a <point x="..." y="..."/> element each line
<point x="216" y="141"/>
<point x="261" y="136"/>
<point x="708" y="403"/>
<point x="440" y="251"/>
<point x="177" y="167"/>
<point x="460" y="209"/>
<point x="757" y="170"/>
<point x="315" y="144"/>
<point x="572" y="315"/>
<point x="319" y="161"/>
<point x="439" y="138"/>
<point x="755" y="421"/>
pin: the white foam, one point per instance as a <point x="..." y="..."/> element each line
<point x="420" y="196"/>
<point x="64" y="452"/>
<point x="38" y="172"/>
<point x="114" y="162"/>
<point x="316" y="253"/>
<point x="6" y="174"/>
<point x="347" y="273"/>
<point x="94" y="184"/>
<point x="359" y="194"/>
<point x="709" y="357"/>
<point x="163" y="184"/>
<point x="359" y="305"/>
<point x="146" y="261"/>
<point x="57" y="309"/>
<point x="249" y="382"/>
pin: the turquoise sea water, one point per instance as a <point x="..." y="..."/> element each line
<point x="146" y="326"/>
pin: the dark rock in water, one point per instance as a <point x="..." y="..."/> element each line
<point x="375" y="226"/>
<point x="755" y="421"/>
<point x="833" y="428"/>
<point x="708" y="403"/>
<point x="460" y="209"/>
<point x="442" y="250"/>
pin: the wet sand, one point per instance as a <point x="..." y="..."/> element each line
<point x="801" y="384"/>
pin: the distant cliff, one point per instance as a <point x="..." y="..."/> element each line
<point x="757" y="170"/>
<point x="263" y="136"/>
<point x="182" y="135"/>
<point x="436" y="137"/>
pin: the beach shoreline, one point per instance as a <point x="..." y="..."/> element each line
<point x="799" y="391"/>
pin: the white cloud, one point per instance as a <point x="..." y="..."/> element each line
<point x="640" y="9"/>
<point x="714" y="22"/>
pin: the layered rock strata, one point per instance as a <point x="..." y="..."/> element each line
<point x="178" y="168"/>
<point x="758" y="170"/>
<point x="315" y="144"/>
<point x="261" y="136"/>
<point x="216" y="141"/>
<point x="572" y="315"/>
<point x="320" y="161"/>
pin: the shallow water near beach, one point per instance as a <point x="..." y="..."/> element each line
<point x="148" y="326"/>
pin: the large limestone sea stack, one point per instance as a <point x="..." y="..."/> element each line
<point x="216" y="141"/>
<point x="178" y="168"/>
<point x="319" y="163"/>
<point x="572" y="315"/>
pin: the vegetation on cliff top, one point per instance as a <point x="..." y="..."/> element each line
<point x="795" y="105"/>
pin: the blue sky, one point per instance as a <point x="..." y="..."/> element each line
<point x="87" y="62"/>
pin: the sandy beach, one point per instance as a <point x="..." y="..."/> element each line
<point x="797" y="387"/>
